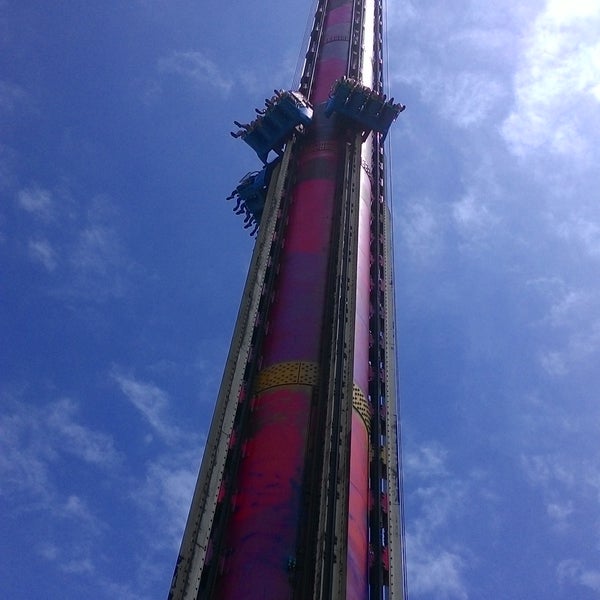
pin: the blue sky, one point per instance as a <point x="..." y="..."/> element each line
<point x="122" y="265"/>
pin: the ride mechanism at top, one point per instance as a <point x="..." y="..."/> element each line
<point x="290" y="112"/>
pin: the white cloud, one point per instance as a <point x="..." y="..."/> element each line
<point x="441" y="499"/>
<point x="401" y="12"/>
<point x="426" y="461"/>
<point x="573" y="571"/>
<point x="464" y="74"/>
<point x="82" y="236"/>
<point x="547" y="470"/>
<point x="581" y="348"/>
<point x="48" y="550"/>
<point x="470" y="97"/>
<point x="197" y="69"/>
<point x="435" y="572"/>
<point x="556" y="101"/>
<point x="96" y="250"/>
<point x="162" y="494"/>
<point x="571" y="327"/>
<point x="489" y="41"/>
<point x="37" y="443"/>
<point x="583" y="232"/>
<point x="82" y="442"/>
<point x="420" y="229"/>
<point x="78" y="565"/>
<point x="436" y="566"/>
<point x="166" y="494"/>
<point x="472" y="215"/>
<point x="75" y="559"/>
<point x="38" y="202"/>
<point x="34" y="439"/>
<point x="99" y="265"/>
<point x="162" y="497"/>
<point x="24" y="455"/>
<point x="554" y="362"/>
<point x="77" y="509"/>
<point x="570" y="486"/>
<point x="11" y="96"/>
<point x="41" y="251"/>
<point x="151" y="402"/>
<point x="564" y="11"/>
<point x="560" y="512"/>
<point x="571" y="307"/>
<point x="466" y="98"/>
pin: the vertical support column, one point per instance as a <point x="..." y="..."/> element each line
<point x="360" y="493"/>
<point x="396" y="557"/>
<point x="377" y="392"/>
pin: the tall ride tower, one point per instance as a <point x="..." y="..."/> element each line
<point x="298" y="493"/>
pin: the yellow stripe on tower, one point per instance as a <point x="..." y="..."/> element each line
<point x="361" y="406"/>
<point x="287" y="373"/>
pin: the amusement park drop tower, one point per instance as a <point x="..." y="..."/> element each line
<point x="298" y="495"/>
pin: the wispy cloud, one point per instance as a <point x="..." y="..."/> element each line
<point x="574" y="571"/>
<point x="434" y="572"/>
<point x="436" y="566"/>
<point x="203" y="74"/>
<point x="548" y="470"/>
<point x="572" y="306"/>
<point x="464" y="76"/>
<point x="197" y="69"/>
<point x="572" y="319"/>
<point x="569" y="485"/>
<point x="96" y="249"/>
<point x="557" y="83"/>
<point x="560" y="512"/>
<point x="151" y="402"/>
<point x="163" y="492"/>
<point x="166" y="493"/>
<point x="100" y="267"/>
<point x="421" y="230"/>
<point x="70" y="560"/>
<point x="25" y="455"/>
<point x="82" y="442"/>
<point x="42" y="252"/>
<point x="470" y="97"/>
<point x="74" y="559"/>
<point x="76" y="507"/>
<point x="473" y="216"/>
<point x="33" y="439"/>
<point x="426" y="461"/>
<point x="76" y="239"/>
<point x="581" y="231"/>
<point x="38" y="202"/>
<point x="78" y="566"/>
<point x="38" y="442"/>
<point x="11" y="97"/>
